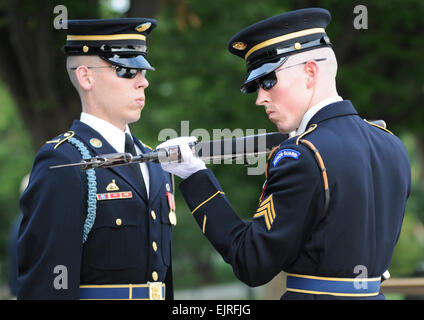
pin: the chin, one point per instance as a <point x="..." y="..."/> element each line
<point x="132" y="120"/>
<point x="134" y="117"/>
<point x="283" y="129"/>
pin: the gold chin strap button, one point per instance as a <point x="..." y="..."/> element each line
<point x="118" y="222"/>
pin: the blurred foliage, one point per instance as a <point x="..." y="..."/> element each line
<point x="409" y="251"/>
<point x="197" y="80"/>
<point x="15" y="162"/>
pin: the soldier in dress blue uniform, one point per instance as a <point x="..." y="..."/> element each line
<point x="103" y="233"/>
<point x="333" y="201"/>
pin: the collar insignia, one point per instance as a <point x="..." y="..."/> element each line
<point x="96" y="143"/>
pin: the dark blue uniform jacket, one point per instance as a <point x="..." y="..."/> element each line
<point x="119" y="249"/>
<point x="369" y="182"/>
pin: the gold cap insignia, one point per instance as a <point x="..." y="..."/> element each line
<point x="112" y="186"/>
<point x="143" y="27"/>
<point x="239" y="45"/>
<point x="96" y="143"/>
<point x="85" y="49"/>
<point x="297" y="46"/>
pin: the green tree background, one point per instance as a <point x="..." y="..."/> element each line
<point x="197" y="80"/>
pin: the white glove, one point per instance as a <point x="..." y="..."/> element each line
<point x="189" y="165"/>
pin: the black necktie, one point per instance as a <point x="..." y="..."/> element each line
<point x="130" y="148"/>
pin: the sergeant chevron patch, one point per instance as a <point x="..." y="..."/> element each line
<point x="266" y="210"/>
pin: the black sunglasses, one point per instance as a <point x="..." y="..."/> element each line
<point x="122" y="72"/>
<point x="267" y="82"/>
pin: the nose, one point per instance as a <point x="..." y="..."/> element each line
<point x="262" y="98"/>
<point x="141" y="81"/>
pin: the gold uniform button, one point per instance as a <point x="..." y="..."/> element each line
<point x="153" y="214"/>
<point x="155" y="246"/>
<point x="172" y="218"/>
<point x="118" y="222"/>
<point x="155" y="276"/>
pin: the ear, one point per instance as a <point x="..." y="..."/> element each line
<point x="311" y="71"/>
<point x="84" y="77"/>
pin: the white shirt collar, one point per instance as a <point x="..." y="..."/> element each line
<point x="313" y="110"/>
<point x="113" y="135"/>
<point x="116" y="138"/>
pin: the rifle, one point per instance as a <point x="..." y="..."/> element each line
<point x="233" y="148"/>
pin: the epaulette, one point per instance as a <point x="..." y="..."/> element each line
<point x="61" y="138"/>
<point x="379" y="124"/>
<point x="310" y="129"/>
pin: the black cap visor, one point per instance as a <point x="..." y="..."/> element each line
<point x="136" y="62"/>
<point x="250" y="85"/>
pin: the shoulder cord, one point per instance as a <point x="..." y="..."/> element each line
<point x="92" y="189"/>
<point x="324" y="177"/>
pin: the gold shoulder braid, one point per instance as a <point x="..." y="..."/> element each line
<point x="271" y="154"/>
<point x="310" y="129"/>
<point x="321" y="165"/>
<point x="378" y="126"/>
<point x="324" y="176"/>
<point x="60" y="140"/>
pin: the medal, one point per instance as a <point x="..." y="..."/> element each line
<point x="171" y="202"/>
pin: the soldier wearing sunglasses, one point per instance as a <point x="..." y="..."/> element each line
<point x="104" y="234"/>
<point x="331" y="208"/>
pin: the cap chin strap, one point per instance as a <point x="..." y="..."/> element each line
<point x="283" y="38"/>
<point x="133" y="50"/>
